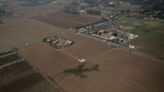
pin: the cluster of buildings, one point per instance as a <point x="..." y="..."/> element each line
<point x="57" y="42"/>
<point x="106" y="32"/>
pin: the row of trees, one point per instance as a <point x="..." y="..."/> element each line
<point x="94" y="12"/>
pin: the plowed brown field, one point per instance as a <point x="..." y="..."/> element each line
<point x="118" y="71"/>
<point x="65" y="20"/>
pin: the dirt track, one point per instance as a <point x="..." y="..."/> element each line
<point x="119" y="70"/>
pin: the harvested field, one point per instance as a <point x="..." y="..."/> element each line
<point x="144" y="73"/>
<point x="17" y="32"/>
<point x="15" y="69"/>
<point x="88" y="49"/>
<point x="86" y="19"/>
<point x="85" y="47"/>
<point x="45" y="57"/>
<point x="20" y="76"/>
<point x="7" y="52"/>
<point x="65" y="20"/>
<point x="31" y="83"/>
<point x="23" y="83"/>
<point x="118" y="71"/>
<point x="31" y="3"/>
<point x="58" y="22"/>
<point x="9" y="59"/>
<point x="75" y="38"/>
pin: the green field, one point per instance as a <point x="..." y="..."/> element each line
<point x="151" y="36"/>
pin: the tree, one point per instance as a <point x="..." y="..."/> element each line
<point x="94" y="12"/>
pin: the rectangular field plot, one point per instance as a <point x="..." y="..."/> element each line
<point x="88" y="49"/>
<point x="143" y="72"/>
<point x="47" y="59"/>
<point x="16" y="75"/>
<point x="65" y="20"/>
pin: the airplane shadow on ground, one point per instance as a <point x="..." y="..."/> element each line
<point x="80" y="70"/>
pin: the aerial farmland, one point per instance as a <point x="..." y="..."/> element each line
<point x="81" y="46"/>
